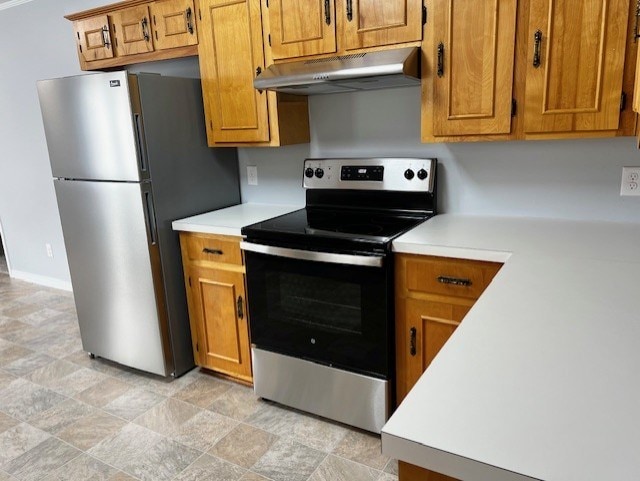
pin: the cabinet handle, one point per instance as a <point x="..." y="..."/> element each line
<point x="454" y="281"/>
<point x="187" y="15"/>
<point x="537" y="40"/>
<point x="412" y="341"/>
<point x="327" y="12"/>
<point x="145" y="33"/>
<point x="440" y="59"/>
<point x="240" y="309"/>
<point x="105" y="37"/>
<point x="349" y="10"/>
<point x="207" y="250"/>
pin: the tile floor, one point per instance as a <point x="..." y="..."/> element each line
<point x="64" y="416"/>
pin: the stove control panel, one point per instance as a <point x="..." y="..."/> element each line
<point x="397" y="174"/>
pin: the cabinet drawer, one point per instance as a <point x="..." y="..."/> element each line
<point x="212" y="248"/>
<point x="449" y="277"/>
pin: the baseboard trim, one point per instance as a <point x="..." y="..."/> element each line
<point x="41" y="280"/>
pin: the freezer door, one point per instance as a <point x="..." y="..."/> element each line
<point x="111" y="243"/>
<point x="91" y="130"/>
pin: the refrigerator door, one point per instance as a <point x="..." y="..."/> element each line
<point x="91" y="130"/>
<point x="111" y="242"/>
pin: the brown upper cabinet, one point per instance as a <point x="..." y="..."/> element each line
<point x="473" y="46"/>
<point x="303" y="28"/>
<point x="563" y="72"/>
<point x="575" y="65"/>
<point x="232" y="53"/>
<point x="135" y="31"/>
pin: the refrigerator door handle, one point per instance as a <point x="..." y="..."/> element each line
<point x="151" y="217"/>
<point x="142" y="149"/>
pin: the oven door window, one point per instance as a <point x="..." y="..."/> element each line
<point x="329" y="313"/>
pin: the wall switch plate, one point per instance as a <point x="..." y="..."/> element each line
<point x="49" y="250"/>
<point x="630" y="181"/>
<point x="252" y="175"/>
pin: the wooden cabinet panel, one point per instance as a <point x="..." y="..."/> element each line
<point x="217" y="308"/>
<point x="231" y="55"/>
<point x="212" y="248"/>
<point x="422" y="328"/>
<point x="575" y="64"/>
<point x="302" y="27"/>
<point x="132" y="31"/>
<point x="472" y="66"/>
<point x="372" y="23"/>
<point x="174" y="23"/>
<point x="94" y="38"/>
<point x="409" y="472"/>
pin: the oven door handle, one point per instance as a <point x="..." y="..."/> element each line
<point x="314" y="256"/>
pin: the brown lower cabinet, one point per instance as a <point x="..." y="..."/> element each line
<point x="215" y="283"/>
<point x="433" y="295"/>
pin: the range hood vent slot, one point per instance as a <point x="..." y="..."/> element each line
<point x="344" y="73"/>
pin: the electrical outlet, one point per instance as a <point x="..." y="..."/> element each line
<point x="630" y="181"/>
<point x="49" y="250"/>
<point x="252" y="175"/>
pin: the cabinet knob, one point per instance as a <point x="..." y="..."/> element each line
<point x="240" y="308"/>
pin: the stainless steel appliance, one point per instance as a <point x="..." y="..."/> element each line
<point x="344" y="73"/>
<point x="320" y="283"/>
<point x="129" y="155"/>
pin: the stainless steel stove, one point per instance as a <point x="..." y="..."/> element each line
<point x="320" y="286"/>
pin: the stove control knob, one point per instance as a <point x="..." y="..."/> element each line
<point x="422" y="174"/>
<point x="408" y="174"/>
<point x="308" y="172"/>
<point x="319" y="173"/>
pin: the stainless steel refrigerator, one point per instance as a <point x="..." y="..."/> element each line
<point x="129" y="155"/>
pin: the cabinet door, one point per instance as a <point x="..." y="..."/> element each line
<point x="302" y="27"/>
<point x="575" y="61"/>
<point x="422" y="328"/>
<point x="372" y="23"/>
<point x="231" y="55"/>
<point x="132" y="31"/>
<point x="174" y="23"/>
<point x="94" y="38"/>
<point x="217" y="309"/>
<point x="472" y="66"/>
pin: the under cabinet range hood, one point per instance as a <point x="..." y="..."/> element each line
<point x="346" y="73"/>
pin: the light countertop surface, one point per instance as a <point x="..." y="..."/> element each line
<point x="231" y="220"/>
<point x="541" y="380"/>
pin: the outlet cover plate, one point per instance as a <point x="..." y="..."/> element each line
<point x="630" y="181"/>
<point x="252" y="175"/>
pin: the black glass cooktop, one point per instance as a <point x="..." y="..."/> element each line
<point x="353" y="225"/>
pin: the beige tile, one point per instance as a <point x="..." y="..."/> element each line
<point x="50" y="374"/>
<point x="161" y="462"/>
<point x="18" y="440"/>
<point x="121" y="476"/>
<point x="288" y="460"/>
<point x="5" y="379"/>
<point x="203" y="391"/>
<point x="167" y="417"/>
<point x="159" y="385"/>
<point x="334" y="468"/>
<point x="60" y="416"/>
<point x="19" y="311"/>
<point x="78" y="381"/>
<point x="103" y="392"/>
<point x="203" y="430"/>
<point x="7" y="422"/>
<point x="22" y="399"/>
<point x="133" y="403"/>
<point x="238" y="403"/>
<point x="43" y="459"/>
<point x="88" y="431"/>
<point x="363" y="448"/>
<point x="244" y="445"/>
<point x="249" y="476"/>
<point x="13" y="352"/>
<point x="211" y="468"/>
<point x="40" y="316"/>
<point x="125" y="445"/>
<point x="387" y="477"/>
<point x="27" y="364"/>
<point x="392" y="467"/>
<point x="83" y="468"/>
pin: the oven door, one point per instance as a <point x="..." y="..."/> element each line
<point x="324" y="307"/>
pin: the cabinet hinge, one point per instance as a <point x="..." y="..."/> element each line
<point x="269" y="39"/>
<point x="424" y="15"/>
<point x="197" y="347"/>
<point x="80" y="48"/>
<point x="200" y="14"/>
<point x="623" y="101"/>
<point x="514" y="107"/>
<point x="211" y="124"/>
<point x="189" y="281"/>
<point x="267" y="3"/>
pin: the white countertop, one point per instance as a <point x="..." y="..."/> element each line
<point x="231" y="220"/>
<point x="542" y="379"/>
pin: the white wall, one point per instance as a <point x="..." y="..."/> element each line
<point x="36" y="42"/>
<point x="574" y="179"/>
